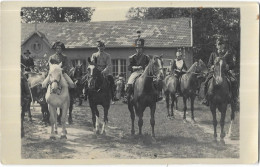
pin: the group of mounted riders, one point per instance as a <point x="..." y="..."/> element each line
<point x="138" y="63"/>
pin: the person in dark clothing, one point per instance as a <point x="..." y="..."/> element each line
<point x="26" y="61"/>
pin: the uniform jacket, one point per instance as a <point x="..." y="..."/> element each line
<point x="138" y="60"/>
<point x="228" y="58"/>
<point x="28" y="63"/>
<point x="103" y="60"/>
<point x="179" y="64"/>
<point x="58" y="58"/>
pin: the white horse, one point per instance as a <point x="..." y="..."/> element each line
<point x="57" y="96"/>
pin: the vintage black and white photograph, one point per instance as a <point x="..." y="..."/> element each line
<point x="130" y="83"/>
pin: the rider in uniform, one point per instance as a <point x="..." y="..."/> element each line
<point x="222" y="51"/>
<point x="104" y="65"/>
<point x="138" y="62"/>
<point x="178" y="68"/>
<point x="57" y="58"/>
<point x="27" y="61"/>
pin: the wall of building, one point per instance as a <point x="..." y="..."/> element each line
<point x="77" y="55"/>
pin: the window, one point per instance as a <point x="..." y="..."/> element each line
<point x="118" y="67"/>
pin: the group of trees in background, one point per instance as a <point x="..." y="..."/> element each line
<point x="208" y="23"/>
<point x="55" y="14"/>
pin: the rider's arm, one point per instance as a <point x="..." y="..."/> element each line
<point x="131" y="64"/>
<point x="108" y="64"/>
<point x="184" y="68"/>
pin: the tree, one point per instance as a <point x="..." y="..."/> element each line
<point x="208" y="24"/>
<point x="55" y="14"/>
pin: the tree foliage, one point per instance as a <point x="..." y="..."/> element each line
<point x="55" y="14"/>
<point x="208" y="24"/>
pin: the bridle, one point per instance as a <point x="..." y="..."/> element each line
<point x="59" y="86"/>
<point x="152" y="69"/>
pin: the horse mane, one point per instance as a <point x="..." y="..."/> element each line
<point x="192" y="68"/>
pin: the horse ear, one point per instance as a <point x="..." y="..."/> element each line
<point x="60" y="64"/>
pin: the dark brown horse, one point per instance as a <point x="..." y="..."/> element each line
<point x="99" y="93"/>
<point x="145" y="93"/>
<point x="219" y="96"/>
<point x="189" y="85"/>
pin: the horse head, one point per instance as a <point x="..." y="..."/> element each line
<point x="219" y="70"/>
<point x="94" y="73"/>
<point x="198" y="67"/>
<point x="55" y="74"/>
<point x="157" y="67"/>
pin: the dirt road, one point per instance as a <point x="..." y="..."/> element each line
<point x="174" y="139"/>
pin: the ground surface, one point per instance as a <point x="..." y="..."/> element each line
<point x="174" y="138"/>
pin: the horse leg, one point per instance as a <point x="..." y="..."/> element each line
<point x="152" y="120"/>
<point x="222" y="109"/>
<point x="192" y="108"/>
<point x="232" y="119"/>
<point x="132" y="113"/>
<point x="53" y="120"/>
<point x="22" y="119"/>
<point x="215" y="122"/>
<point x="176" y="100"/>
<point x="184" y="108"/>
<point x="95" y="118"/>
<point x="172" y="105"/>
<point x="70" y="111"/>
<point x="167" y="104"/>
<point x="140" y="121"/>
<point x="29" y="111"/>
<point x="103" y="131"/>
<point x="59" y="116"/>
<point x="63" y="120"/>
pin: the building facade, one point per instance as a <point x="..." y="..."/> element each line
<point x="162" y="37"/>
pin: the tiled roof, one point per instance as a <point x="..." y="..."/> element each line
<point x="157" y="33"/>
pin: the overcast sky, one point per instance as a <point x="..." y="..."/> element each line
<point x="109" y="14"/>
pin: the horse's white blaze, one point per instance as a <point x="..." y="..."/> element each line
<point x="97" y="123"/>
<point x="220" y="64"/>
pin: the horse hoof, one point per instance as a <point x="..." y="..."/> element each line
<point x="222" y="142"/>
<point x="53" y="138"/>
<point x="185" y="121"/>
<point x="56" y="132"/>
<point x="104" y="133"/>
<point x="193" y="121"/>
<point x="70" y="121"/>
<point x="30" y="120"/>
<point x="63" y="137"/>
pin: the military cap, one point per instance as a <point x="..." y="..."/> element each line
<point x="27" y="52"/>
<point x="139" y="43"/>
<point x="178" y="53"/>
<point x="58" y="44"/>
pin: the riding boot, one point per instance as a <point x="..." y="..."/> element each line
<point x="128" y="93"/>
<point x="205" y="101"/>
<point x="178" y="92"/>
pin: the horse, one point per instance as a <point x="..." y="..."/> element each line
<point x="57" y="96"/>
<point x="219" y="96"/>
<point x="25" y="99"/>
<point x="99" y="93"/>
<point x="38" y="93"/>
<point x="189" y="85"/>
<point x="120" y="87"/>
<point x="145" y="93"/>
<point x="170" y="88"/>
